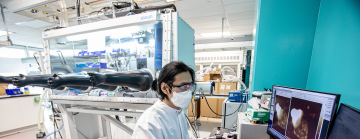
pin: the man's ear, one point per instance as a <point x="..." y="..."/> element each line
<point x="164" y="88"/>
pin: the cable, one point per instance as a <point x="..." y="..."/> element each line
<point x="192" y="108"/>
<point x="126" y="89"/>
<point x="198" y="129"/>
<point x="60" y="126"/>
<point x="219" y="114"/>
<point x="55" y="123"/>
<point x="191" y="126"/>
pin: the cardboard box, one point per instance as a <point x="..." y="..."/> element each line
<point x="206" y="77"/>
<point x="220" y="106"/>
<point x="225" y="87"/>
<point x="214" y="72"/>
<point x="204" y="108"/>
<point x="215" y="77"/>
<point x="197" y="108"/>
<point x="2" y="88"/>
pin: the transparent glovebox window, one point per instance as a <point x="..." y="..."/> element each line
<point x="120" y="49"/>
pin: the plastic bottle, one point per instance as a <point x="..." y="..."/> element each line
<point x="26" y="90"/>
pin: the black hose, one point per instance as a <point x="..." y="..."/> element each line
<point x="220" y="114"/>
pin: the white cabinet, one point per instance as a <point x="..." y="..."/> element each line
<point x="17" y="112"/>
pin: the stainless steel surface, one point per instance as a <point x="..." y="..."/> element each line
<point x="107" y="112"/>
<point x="106" y="99"/>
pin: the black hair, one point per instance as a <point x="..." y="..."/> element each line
<point x="167" y="75"/>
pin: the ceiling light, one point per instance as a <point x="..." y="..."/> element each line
<point x="3" y="33"/>
<point x="216" y="34"/>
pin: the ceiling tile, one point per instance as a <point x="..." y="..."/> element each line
<point x="215" y="24"/>
<point x="228" y="2"/>
<point x="36" y="24"/>
<point x="241" y="15"/>
<point x="239" y="28"/>
<point x="15" y="18"/>
<point x="241" y="22"/>
<point x="210" y="30"/>
<point x="17" y="28"/>
<point x="32" y="32"/>
<point x="206" y="19"/>
<point x="240" y="7"/>
<point x="202" y="12"/>
<point x="186" y="5"/>
<point x="240" y="33"/>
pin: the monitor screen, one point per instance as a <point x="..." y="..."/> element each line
<point x="301" y="114"/>
<point x="347" y="123"/>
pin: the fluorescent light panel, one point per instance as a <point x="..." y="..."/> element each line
<point x="3" y="33"/>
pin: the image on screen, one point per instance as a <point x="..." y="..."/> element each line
<point x="281" y="114"/>
<point x="303" y="120"/>
<point x="300" y="114"/>
<point x="346" y="124"/>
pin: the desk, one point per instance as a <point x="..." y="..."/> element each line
<point x="247" y="130"/>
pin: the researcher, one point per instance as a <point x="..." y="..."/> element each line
<point x="166" y="118"/>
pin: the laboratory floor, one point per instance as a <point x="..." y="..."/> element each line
<point x="205" y="129"/>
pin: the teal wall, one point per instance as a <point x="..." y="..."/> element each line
<point x="283" y="43"/>
<point x="335" y="62"/>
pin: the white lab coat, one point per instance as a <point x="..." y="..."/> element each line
<point x="161" y="122"/>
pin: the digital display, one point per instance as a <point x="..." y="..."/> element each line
<point x="300" y="114"/>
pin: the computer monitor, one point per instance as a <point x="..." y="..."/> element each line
<point x="301" y="114"/>
<point x="346" y="124"/>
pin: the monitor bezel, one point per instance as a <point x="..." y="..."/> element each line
<point x="336" y="104"/>
<point x="337" y="113"/>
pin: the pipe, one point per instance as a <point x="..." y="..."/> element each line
<point x="39" y="109"/>
<point x="63" y="17"/>
<point x="54" y="121"/>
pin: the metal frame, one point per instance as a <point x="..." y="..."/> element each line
<point x="94" y="104"/>
<point x="139" y="19"/>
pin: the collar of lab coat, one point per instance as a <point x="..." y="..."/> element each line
<point x="167" y="108"/>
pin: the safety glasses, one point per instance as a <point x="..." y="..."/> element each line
<point x="184" y="87"/>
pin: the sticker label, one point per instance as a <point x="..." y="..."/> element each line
<point x="222" y="87"/>
<point x="228" y="86"/>
<point x="146" y="17"/>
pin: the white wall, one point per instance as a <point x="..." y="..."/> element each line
<point x="12" y="66"/>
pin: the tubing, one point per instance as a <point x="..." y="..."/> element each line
<point x="69" y="80"/>
<point x="138" y="79"/>
<point x="7" y="80"/>
<point x="54" y="123"/>
<point x="39" y="109"/>
<point x="78" y="81"/>
<point x="231" y="76"/>
<point x="33" y="80"/>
